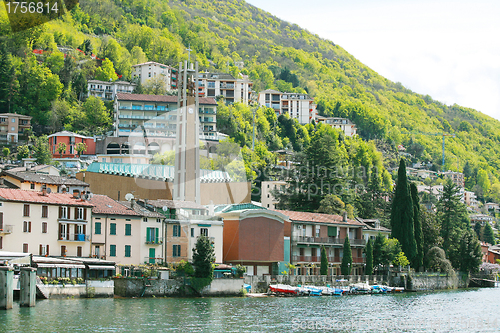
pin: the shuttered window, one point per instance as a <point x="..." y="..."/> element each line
<point x="112" y="250"/>
<point x="332" y="231"/>
<point x="97" y="228"/>
<point x="128" y="229"/>
<point x="26" y="210"/>
<point x="112" y="228"/>
<point x="128" y="251"/>
<point x="45" y="211"/>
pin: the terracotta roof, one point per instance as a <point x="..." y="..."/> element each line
<point x="366" y="225"/>
<point x="67" y="199"/>
<point x="68" y="133"/>
<point x="105" y="205"/>
<point x="141" y="210"/>
<point x="158" y="98"/>
<point x="29" y="176"/>
<point x="318" y="217"/>
<point x="175" y="204"/>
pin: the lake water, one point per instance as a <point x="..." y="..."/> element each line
<point x="473" y="310"/>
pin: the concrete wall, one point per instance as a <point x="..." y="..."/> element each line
<point x="435" y="281"/>
<point x="223" y="287"/>
<point x="90" y="289"/>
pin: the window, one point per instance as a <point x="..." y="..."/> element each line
<point x="176" y="250"/>
<point x="25" y="248"/>
<point x="26" y="210"/>
<point x="44" y="227"/>
<point x="176" y="230"/>
<point x="128" y="229"/>
<point x="152" y="236"/>
<point x="13" y="120"/>
<point x="112" y="228"/>
<point x="45" y="211"/>
<point x="78" y="251"/>
<point x="144" y="219"/>
<point x="97" y="229"/>
<point x="63" y="250"/>
<point x="1" y="242"/>
<point x="158" y="220"/>
<point x="192" y="232"/>
<point x="204" y="232"/>
<point x="27" y="226"/>
<point x="43" y="250"/>
<point x="63" y="212"/>
<point x="112" y="250"/>
<point x="32" y="186"/>
<point x="128" y="250"/>
<point x="79" y="213"/>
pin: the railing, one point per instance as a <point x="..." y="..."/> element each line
<point x="6" y="229"/>
<point x="154" y="240"/>
<point x="327" y="240"/>
<point x="153" y="261"/>
<point x="74" y="237"/>
<point x="141" y="108"/>
<point x="297" y="259"/>
<point x="227" y="85"/>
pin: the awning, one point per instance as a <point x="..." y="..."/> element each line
<point x="59" y="266"/>
<point x="101" y="267"/>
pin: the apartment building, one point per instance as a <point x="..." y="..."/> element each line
<point x="309" y="231"/>
<point x="70" y="139"/>
<point x="12" y="126"/>
<point x="268" y="189"/>
<point x="156" y="116"/>
<point x="344" y="124"/>
<point x="47" y="224"/>
<point x="456" y="177"/>
<point x="149" y="70"/>
<point x="372" y="228"/>
<point x="108" y="90"/>
<point x="232" y="89"/>
<point x="297" y="106"/>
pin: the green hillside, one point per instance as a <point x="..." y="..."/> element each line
<point x="275" y="53"/>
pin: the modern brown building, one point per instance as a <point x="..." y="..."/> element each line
<point x="253" y="237"/>
<point x="12" y="125"/>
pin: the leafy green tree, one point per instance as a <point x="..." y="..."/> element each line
<point x="488" y="234"/>
<point x="8" y="79"/>
<point x="155" y="86"/>
<point x="483" y="181"/>
<point x="5" y="152"/>
<point x="402" y="214"/>
<point x="324" y="262"/>
<point x="203" y="258"/>
<point x="61" y="148"/>
<point x="80" y="148"/>
<point x="470" y="252"/>
<point x="106" y="72"/>
<point x="379" y="251"/>
<point x="438" y="262"/>
<point x="331" y="204"/>
<point x="431" y="230"/>
<point x="417" y="226"/>
<point x="55" y="62"/>
<point x="23" y="152"/>
<point x="41" y="150"/>
<point x="401" y="260"/>
<point x="97" y="118"/>
<point x="478" y="230"/>
<point x="346" y="265"/>
<point x="369" y="258"/>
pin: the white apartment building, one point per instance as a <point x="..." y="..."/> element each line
<point x="233" y="89"/>
<point x="297" y="106"/>
<point x="267" y="198"/>
<point x="344" y="124"/>
<point x="47" y="224"/>
<point x="155" y="115"/>
<point x="108" y="90"/>
<point x="149" y="70"/>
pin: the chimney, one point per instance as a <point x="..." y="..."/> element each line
<point x="44" y="190"/>
<point x="1" y="181"/>
<point x="345" y="216"/>
<point x="132" y="203"/>
<point x="76" y="194"/>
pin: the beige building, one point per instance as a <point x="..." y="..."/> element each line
<point x="12" y="125"/>
<point x="108" y="90"/>
<point x="372" y="228"/>
<point x="233" y="89"/>
<point x="267" y="198"/>
<point x="150" y="70"/>
<point x="297" y="106"/>
<point x="344" y="124"/>
<point x="47" y="224"/>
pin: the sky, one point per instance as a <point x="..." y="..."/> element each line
<point x="449" y="50"/>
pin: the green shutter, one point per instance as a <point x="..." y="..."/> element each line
<point x="156" y="236"/>
<point x="127" y="250"/>
<point x="112" y="250"/>
<point x="128" y="229"/>
<point x="332" y="231"/>
<point x="112" y="228"/>
<point x="152" y="255"/>
<point x="148" y="235"/>
<point x="98" y="228"/>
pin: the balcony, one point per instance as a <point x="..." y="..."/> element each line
<point x="6" y="229"/>
<point x="154" y="241"/>
<point x="74" y="237"/>
<point x="317" y="259"/>
<point x="153" y="261"/>
<point x="226" y="85"/>
<point x="327" y="240"/>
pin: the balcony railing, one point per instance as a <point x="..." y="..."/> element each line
<point x="227" y="85"/>
<point x="327" y="240"/>
<point x="74" y="237"/>
<point x="153" y="261"/>
<point x="6" y="229"/>
<point x="154" y="240"/>
<point x="297" y="259"/>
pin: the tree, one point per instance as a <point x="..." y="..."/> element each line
<point x="324" y="262"/>
<point x="155" y="86"/>
<point x="431" y="230"/>
<point x="369" y="258"/>
<point x="203" y="258"/>
<point x="331" y="204"/>
<point x="41" y="150"/>
<point x="5" y="152"/>
<point x="61" y="148"/>
<point x="417" y="227"/>
<point x="401" y="260"/>
<point x="97" y="118"/>
<point x="470" y="252"/>
<point x="438" y="262"/>
<point x="478" y="229"/>
<point x="402" y="214"/>
<point x="23" y="152"/>
<point x="379" y="251"/>
<point x="346" y="265"/>
<point x="488" y="235"/>
<point x="106" y="72"/>
<point x="80" y="148"/>
<point x="483" y="181"/>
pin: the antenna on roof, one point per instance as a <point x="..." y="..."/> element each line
<point x="129" y="196"/>
<point x="165" y="208"/>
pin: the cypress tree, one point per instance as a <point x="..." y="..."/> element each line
<point x="402" y="215"/>
<point x="369" y="258"/>
<point x="488" y="235"/>
<point x="470" y="252"/>
<point x="346" y="266"/>
<point x="203" y="258"/>
<point x="477" y="229"/>
<point x="379" y="251"/>
<point x="324" y="262"/>
<point x="417" y="227"/>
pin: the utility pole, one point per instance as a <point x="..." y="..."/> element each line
<point x="438" y="134"/>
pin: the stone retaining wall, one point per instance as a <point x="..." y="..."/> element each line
<point x="89" y="289"/>
<point x="436" y="281"/>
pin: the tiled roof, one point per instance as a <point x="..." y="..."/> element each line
<point x="318" y="217"/>
<point x="159" y="203"/>
<point x="8" y="194"/>
<point x="159" y="98"/>
<point x="29" y="176"/>
<point x="68" y="133"/>
<point x="243" y="206"/>
<point x="367" y="226"/>
<point x="105" y="205"/>
<point x="141" y="210"/>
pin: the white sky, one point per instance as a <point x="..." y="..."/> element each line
<point x="449" y="50"/>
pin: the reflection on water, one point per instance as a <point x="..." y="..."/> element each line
<point x="449" y="311"/>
